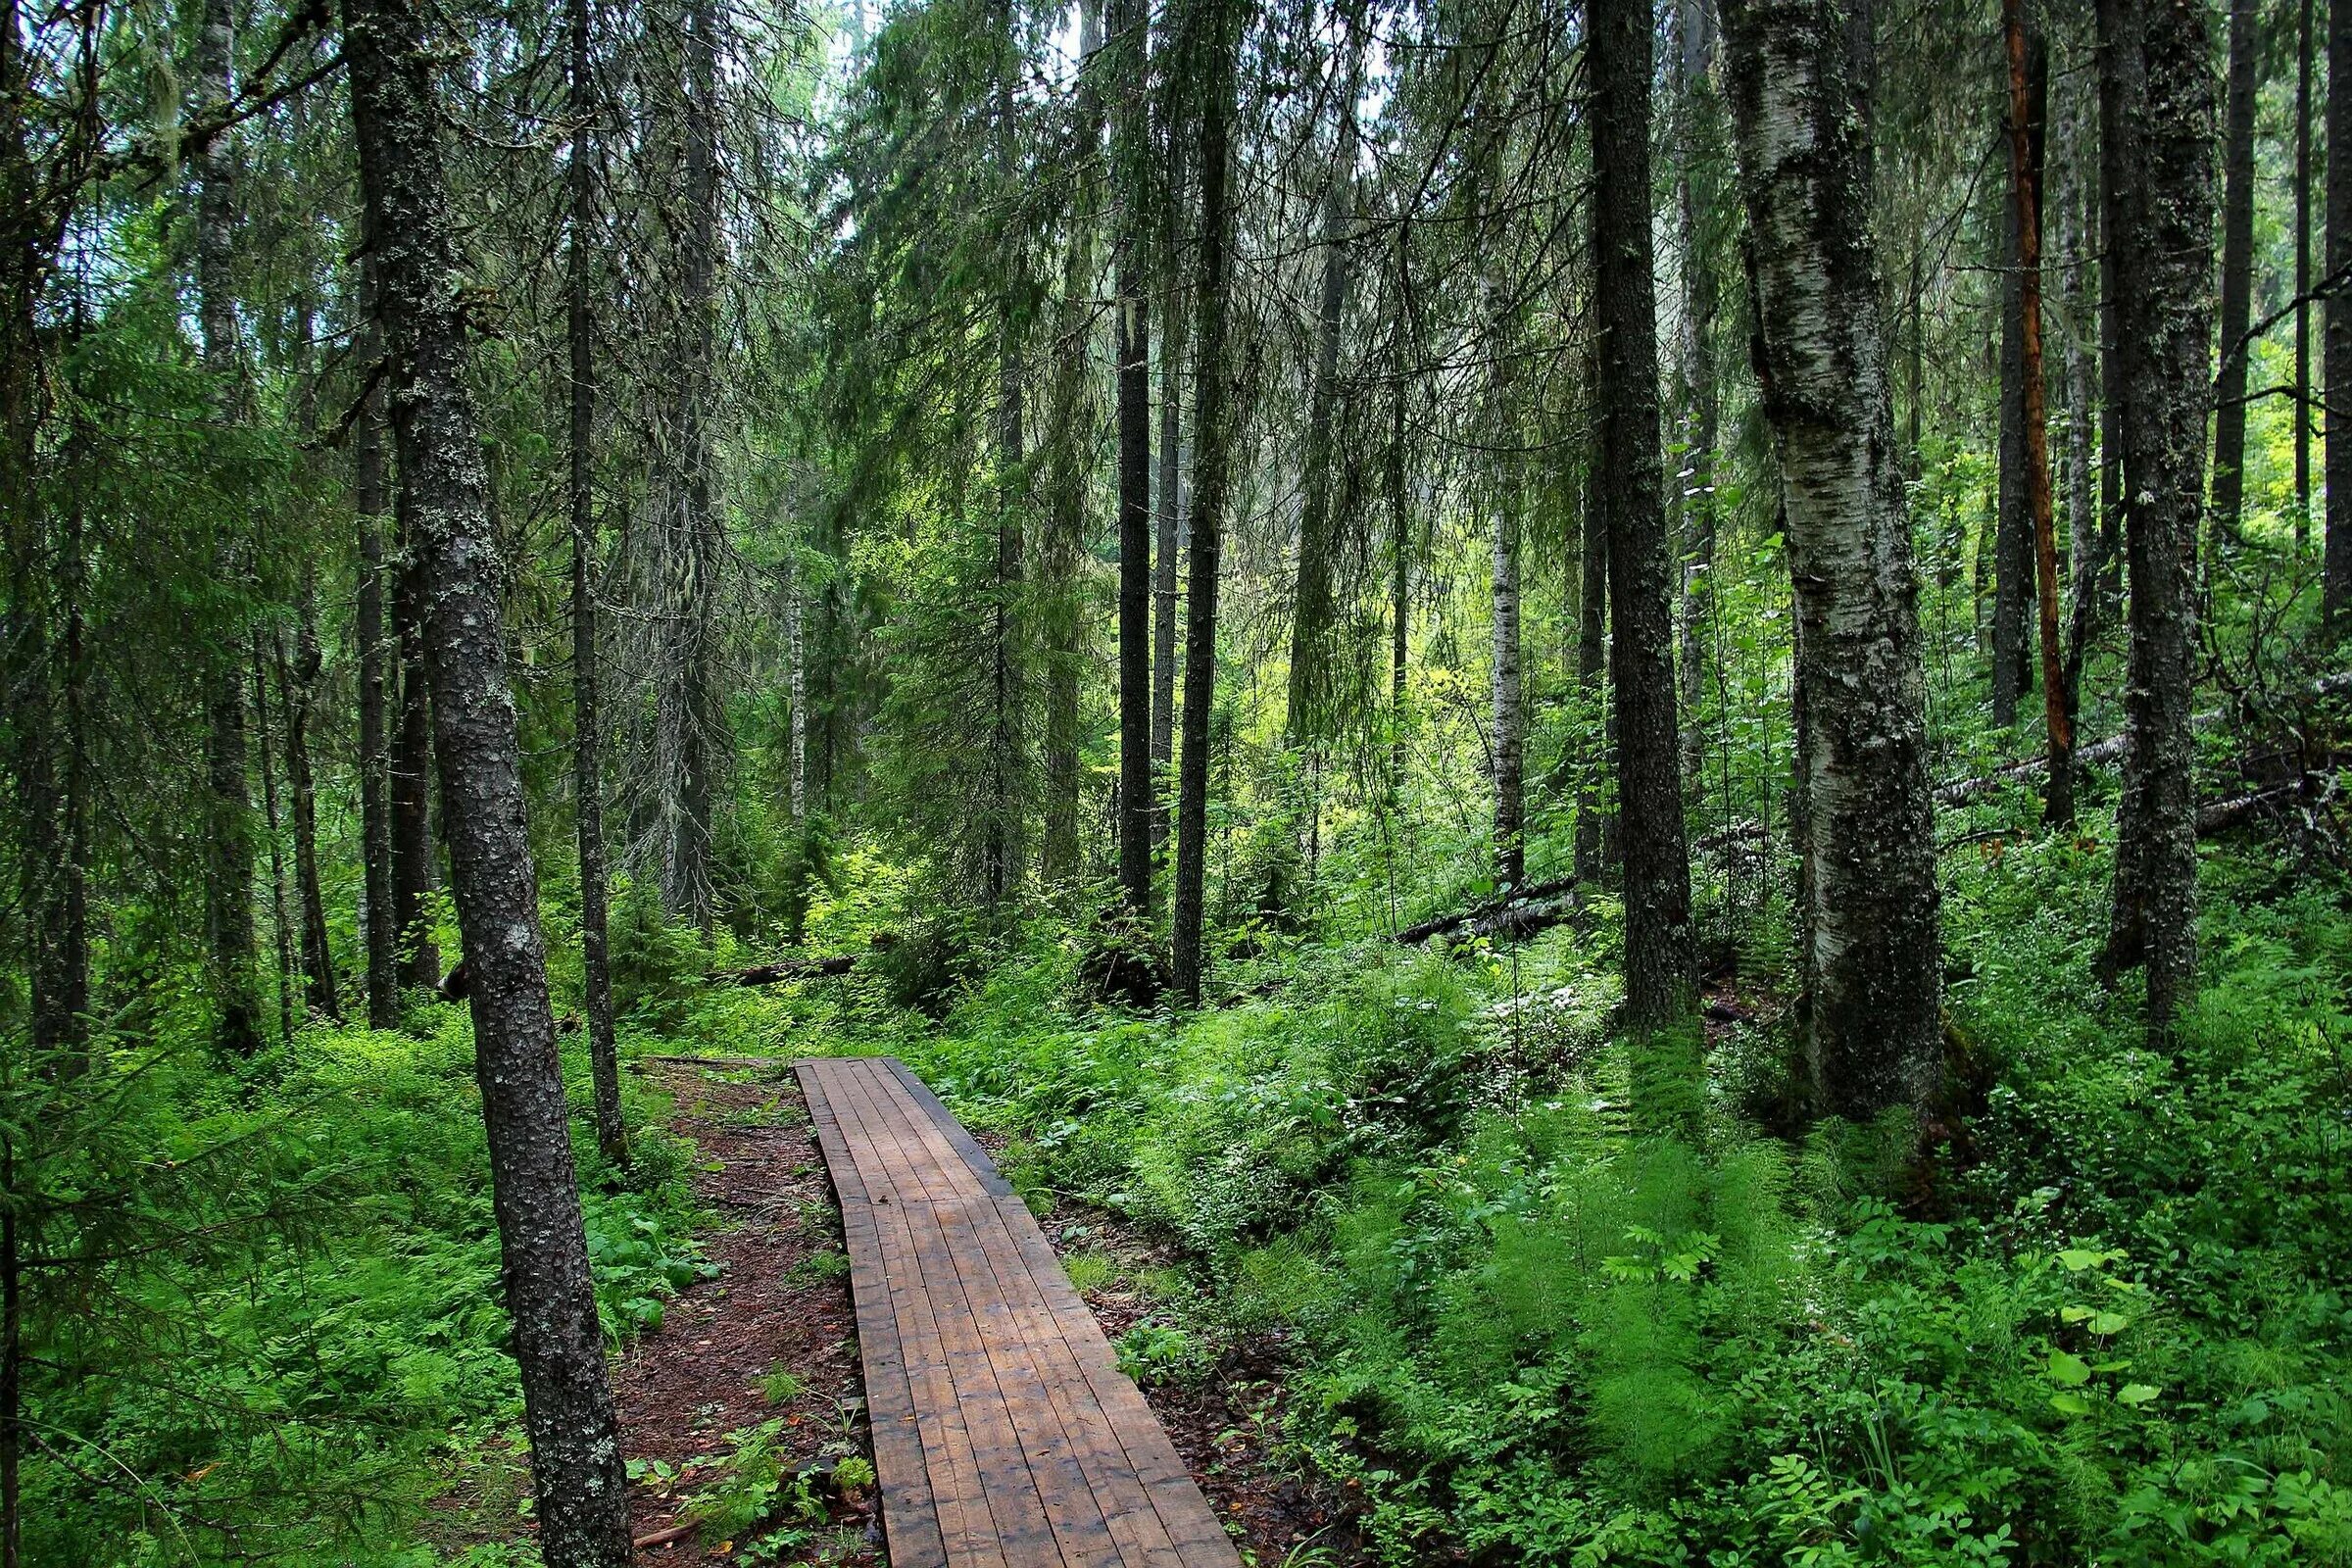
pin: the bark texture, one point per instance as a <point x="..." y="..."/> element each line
<point x="1660" y="960"/>
<point x="2160" y="224"/>
<point x="558" y="1348"/>
<point x="1799" y="88"/>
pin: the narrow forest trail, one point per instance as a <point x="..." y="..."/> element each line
<point x="778" y="1309"/>
<point x="779" y="1318"/>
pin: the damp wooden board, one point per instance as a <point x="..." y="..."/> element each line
<point x="1005" y="1434"/>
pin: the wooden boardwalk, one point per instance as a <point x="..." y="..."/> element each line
<point x="1005" y="1434"/>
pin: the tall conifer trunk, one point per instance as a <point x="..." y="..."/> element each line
<point x="1311" y="622"/>
<point x="2160" y="225"/>
<point x="1660" y="960"/>
<point x="1218" y="84"/>
<point x="569" y="1414"/>
<point x="1131" y="339"/>
<point x="368" y="495"/>
<point x="2025" y="210"/>
<point x="2336" y="587"/>
<point x="587" y="714"/>
<point x="2237" y="281"/>
<point x="229" y="831"/>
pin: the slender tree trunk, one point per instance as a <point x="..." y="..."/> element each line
<point x="376" y="758"/>
<point x="2089" y="538"/>
<point x="1595" y="839"/>
<point x="1400" y="586"/>
<point x="1000" y="846"/>
<point x="412" y="761"/>
<point x="2305" y="43"/>
<point x="582" y="1495"/>
<point x="297" y="679"/>
<point x="2238" y="282"/>
<point x="1131" y="163"/>
<point x="230" y="866"/>
<point x="2058" y="806"/>
<point x="2335" y="588"/>
<point x="1068" y="472"/>
<point x="281" y="927"/>
<point x="587" y="715"/>
<point x="1660" y="960"/>
<point x="1219" y="85"/>
<point x="2014" y="544"/>
<point x="2160" y="224"/>
<point x="690" y="714"/>
<point x="1312" y="617"/>
<point x="1695" y="193"/>
<point x="1511" y="834"/>
<point x="1801" y="76"/>
<point x="1168" y="519"/>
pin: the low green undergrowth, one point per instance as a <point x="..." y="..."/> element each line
<point x="1551" y="1301"/>
<point x="273" y="1328"/>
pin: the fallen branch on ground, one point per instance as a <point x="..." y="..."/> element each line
<point x="777" y="973"/>
<point x="1521" y="912"/>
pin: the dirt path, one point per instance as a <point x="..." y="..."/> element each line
<point x="771" y="1338"/>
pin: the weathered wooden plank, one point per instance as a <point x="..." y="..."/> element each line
<point x="909" y="1513"/>
<point x="1016" y="1494"/>
<point x="1034" y="1447"/>
<point x="1184" y="1514"/>
<point x="1072" y="1451"/>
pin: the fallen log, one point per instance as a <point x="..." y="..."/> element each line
<point x="662" y="1538"/>
<point x="785" y="969"/>
<point x="1521" y="912"/>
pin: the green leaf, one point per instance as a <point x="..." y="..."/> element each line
<point x="2077" y="1259"/>
<point x="2135" y="1393"/>
<point x="2070" y="1403"/>
<point x="2068" y="1368"/>
<point x="2106" y="1323"/>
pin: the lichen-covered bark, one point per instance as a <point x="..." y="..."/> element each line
<point x="2160" y="228"/>
<point x="1213" y="478"/>
<point x="1660" y="960"/>
<point x="568" y="1401"/>
<point x="1799" y="83"/>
